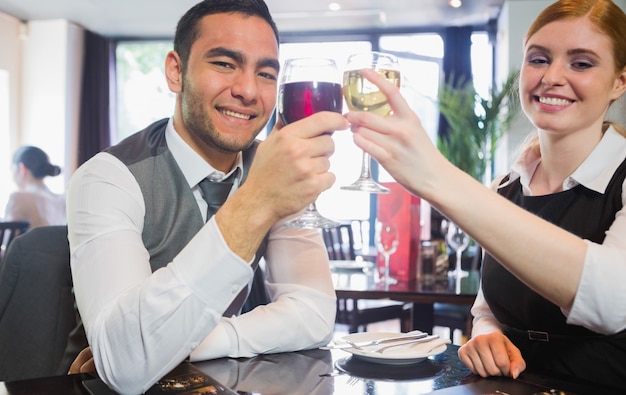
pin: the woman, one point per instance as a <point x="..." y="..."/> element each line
<point x="34" y="202"/>
<point x="553" y="291"/>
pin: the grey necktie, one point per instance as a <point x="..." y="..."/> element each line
<point x="216" y="192"/>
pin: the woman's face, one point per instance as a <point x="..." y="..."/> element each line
<point x="568" y="77"/>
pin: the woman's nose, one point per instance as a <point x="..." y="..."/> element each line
<point x="553" y="76"/>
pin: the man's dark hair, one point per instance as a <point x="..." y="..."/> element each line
<point x="187" y="28"/>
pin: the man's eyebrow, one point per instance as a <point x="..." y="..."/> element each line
<point x="229" y="53"/>
<point x="240" y="58"/>
<point x="270" y="62"/>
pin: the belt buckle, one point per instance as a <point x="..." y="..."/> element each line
<point x="538" y="336"/>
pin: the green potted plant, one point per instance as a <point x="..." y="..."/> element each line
<point x="476" y="124"/>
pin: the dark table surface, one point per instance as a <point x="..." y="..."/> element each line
<point x="360" y="281"/>
<point x="357" y="280"/>
<point x="321" y="372"/>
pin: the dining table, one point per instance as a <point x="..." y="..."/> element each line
<point x="358" y="279"/>
<point x="319" y="372"/>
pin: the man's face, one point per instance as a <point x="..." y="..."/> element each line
<point x="229" y="87"/>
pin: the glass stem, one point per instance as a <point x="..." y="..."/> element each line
<point x="366" y="172"/>
<point x="311" y="208"/>
<point x="386" y="268"/>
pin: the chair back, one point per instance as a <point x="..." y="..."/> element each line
<point x="8" y="231"/>
<point x="340" y="242"/>
<point x="37" y="306"/>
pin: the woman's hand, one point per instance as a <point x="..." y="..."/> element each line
<point x="492" y="354"/>
<point x="398" y="142"/>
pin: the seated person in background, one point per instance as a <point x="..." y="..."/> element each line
<point x="154" y="283"/>
<point x="552" y="292"/>
<point x="33" y="201"/>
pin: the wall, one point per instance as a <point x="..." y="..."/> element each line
<point x="10" y="83"/>
<point x="43" y="60"/>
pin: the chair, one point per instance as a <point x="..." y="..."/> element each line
<point x="39" y="324"/>
<point x="456" y="316"/>
<point x="9" y="231"/>
<point x="358" y="313"/>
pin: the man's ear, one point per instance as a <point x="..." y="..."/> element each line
<point x="174" y="72"/>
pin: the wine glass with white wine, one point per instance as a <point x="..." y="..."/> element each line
<point x="362" y="95"/>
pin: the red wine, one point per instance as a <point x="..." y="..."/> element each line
<point x="298" y="100"/>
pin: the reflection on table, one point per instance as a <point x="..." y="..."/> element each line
<point x="336" y="372"/>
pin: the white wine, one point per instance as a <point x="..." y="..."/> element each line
<point x="362" y="95"/>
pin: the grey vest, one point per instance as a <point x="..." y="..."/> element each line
<point x="172" y="215"/>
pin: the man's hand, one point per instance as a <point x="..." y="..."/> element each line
<point x="83" y="363"/>
<point x="492" y="354"/>
<point x="290" y="169"/>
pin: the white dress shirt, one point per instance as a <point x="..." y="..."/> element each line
<point x="141" y="324"/>
<point x="601" y="295"/>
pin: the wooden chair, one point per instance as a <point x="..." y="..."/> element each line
<point x="358" y="313"/>
<point x="8" y="231"/>
<point x="456" y="316"/>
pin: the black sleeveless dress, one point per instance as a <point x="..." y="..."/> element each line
<point x="535" y="325"/>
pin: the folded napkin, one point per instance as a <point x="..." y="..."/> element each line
<point x="412" y="350"/>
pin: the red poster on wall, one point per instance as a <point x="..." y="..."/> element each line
<point x="402" y="209"/>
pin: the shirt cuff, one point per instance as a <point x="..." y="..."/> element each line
<point x="206" y="254"/>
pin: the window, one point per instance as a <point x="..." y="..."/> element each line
<point x="140" y="76"/>
<point x="142" y="92"/>
<point x="6" y="179"/>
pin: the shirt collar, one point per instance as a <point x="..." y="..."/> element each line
<point x="594" y="173"/>
<point x="193" y="166"/>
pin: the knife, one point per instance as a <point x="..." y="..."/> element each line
<point x="376" y="342"/>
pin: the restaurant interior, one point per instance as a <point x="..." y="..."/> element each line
<point x="74" y="78"/>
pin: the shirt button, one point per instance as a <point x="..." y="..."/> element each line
<point x="234" y="289"/>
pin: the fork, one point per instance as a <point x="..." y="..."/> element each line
<point x="414" y="335"/>
<point x="422" y="340"/>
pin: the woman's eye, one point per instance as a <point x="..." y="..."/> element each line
<point x="538" y="60"/>
<point x="581" y="65"/>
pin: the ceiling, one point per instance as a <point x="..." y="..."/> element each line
<point x="157" y="18"/>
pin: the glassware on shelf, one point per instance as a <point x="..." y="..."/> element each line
<point x="458" y="241"/>
<point x="387" y="240"/>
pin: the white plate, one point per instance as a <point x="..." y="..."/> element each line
<point x="350" y="265"/>
<point x="400" y="355"/>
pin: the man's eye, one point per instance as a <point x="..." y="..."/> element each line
<point x="223" y="64"/>
<point x="269" y="76"/>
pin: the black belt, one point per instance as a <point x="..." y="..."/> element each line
<point x="542" y="336"/>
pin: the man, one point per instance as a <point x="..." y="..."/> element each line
<point x="152" y="281"/>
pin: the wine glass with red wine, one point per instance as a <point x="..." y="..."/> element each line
<point x="307" y="86"/>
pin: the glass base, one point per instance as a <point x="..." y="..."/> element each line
<point x="458" y="273"/>
<point x="388" y="280"/>
<point x="312" y="220"/>
<point x="366" y="185"/>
